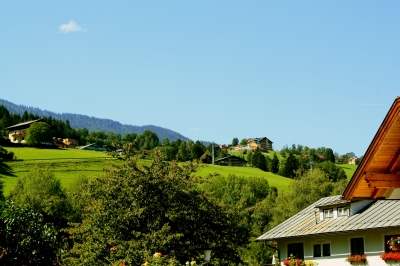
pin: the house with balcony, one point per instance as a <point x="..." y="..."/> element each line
<point x="260" y="143"/>
<point x="360" y="226"/>
<point x="17" y="133"/>
<point x="65" y="143"/>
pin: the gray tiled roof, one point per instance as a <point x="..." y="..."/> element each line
<point x="24" y="123"/>
<point x="380" y="214"/>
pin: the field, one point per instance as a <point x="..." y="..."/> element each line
<point x="282" y="183"/>
<point x="69" y="164"/>
<point x="349" y="169"/>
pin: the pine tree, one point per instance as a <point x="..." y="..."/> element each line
<point x="291" y="165"/>
<point x="274" y="167"/>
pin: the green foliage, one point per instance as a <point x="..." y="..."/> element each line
<point x="334" y="172"/>
<point x="290" y="167"/>
<point x="38" y="133"/>
<point x="78" y="197"/>
<point x="274" y="165"/>
<point x="345" y="158"/>
<point x="259" y="160"/>
<point x="245" y="195"/>
<point x="328" y="155"/>
<point x="2" y="198"/>
<point x="243" y="142"/>
<point x="42" y="192"/>
<point x="250" y="158"/>
<point x="235" y="141"/>
<point x="25" y="238"/>
<point x="182" y="152"/>
<point x="6" y="155"/>
<point x="137" y="210"/>
<point x="305" y="190"/>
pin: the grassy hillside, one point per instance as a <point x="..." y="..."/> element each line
<point x="27" y="153"/>
<point x="282" y="183"/>
<point x="68" y="164"/>
<point x="349" y="169"/>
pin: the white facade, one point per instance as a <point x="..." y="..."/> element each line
<point x="374" y="246"/>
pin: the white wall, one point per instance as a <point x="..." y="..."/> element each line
<point x="340" y="247"/>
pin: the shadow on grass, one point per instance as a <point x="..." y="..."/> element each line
<point x="5" y="169"/>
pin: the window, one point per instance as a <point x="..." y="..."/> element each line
<point x="322" y="250"/>
<point x="357" y="246"/>
<point x="328" y="213"/>
<point x="387" y="245"/>
<point x="342" y="211"/>
<point x="296" y="249"/>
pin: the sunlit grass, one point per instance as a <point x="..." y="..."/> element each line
<point x="282" y="183"/>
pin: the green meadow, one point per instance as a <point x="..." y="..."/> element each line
<point x="69" y="164"/>
<point x="349" y="169"/>
<point x="27" y="153"/>
<point x="282" y="183"/>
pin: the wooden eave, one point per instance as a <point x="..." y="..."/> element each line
<point x="379" y="171"/>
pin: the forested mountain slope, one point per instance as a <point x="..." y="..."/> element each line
<point x="93" y="123"/>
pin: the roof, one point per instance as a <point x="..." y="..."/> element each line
<point x="230" y="156"/>
<point x="24" y="124"/>
<point x="259" y="139"/>
<point x="305" y="223"/>
<point x="377" y="174"/>
<point x="332" y="203"/>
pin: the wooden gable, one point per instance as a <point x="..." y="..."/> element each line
<point x="378" y="175"/>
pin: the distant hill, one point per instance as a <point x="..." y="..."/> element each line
<point x="93" y="123"/>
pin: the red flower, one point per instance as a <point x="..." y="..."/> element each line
<point x="297" y="261"/>
<point x="357" y="258"/>
<point x="390" y="256"/>
<point x="112" y="249"/>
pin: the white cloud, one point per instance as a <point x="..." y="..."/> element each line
<point x="72" y="26"/>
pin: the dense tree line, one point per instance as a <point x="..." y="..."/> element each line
<point x="146" y="141"/>
<point x="131" y="212"/>
<point x="93" y="123"/>
<point x="190" y="150"/>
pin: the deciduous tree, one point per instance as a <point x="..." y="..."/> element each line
<point x="235" y="141"/>
<point x="38" y="133"/>
<point x="135" y="211"/>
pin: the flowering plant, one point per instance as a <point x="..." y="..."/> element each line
<point x="390" y="256"/>
<point x="393" y="241"/>
<point x="292" y="261"/>
<point x="357" y="258"/>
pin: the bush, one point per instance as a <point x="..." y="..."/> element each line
<point x="25" y="238"/>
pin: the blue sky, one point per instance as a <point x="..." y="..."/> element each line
<point x="316" y="73"/>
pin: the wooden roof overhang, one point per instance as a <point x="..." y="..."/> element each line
<point x="378" y="175"/>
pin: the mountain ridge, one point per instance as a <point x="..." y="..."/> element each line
<point x="94" y="123"/>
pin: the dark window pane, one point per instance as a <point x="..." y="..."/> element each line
<point x="357" y="246"/>
<point x="317" y="250"/>
<point x="296" y="249"/>
<point x="326" y="249"/>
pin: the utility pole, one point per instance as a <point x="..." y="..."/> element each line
<point x="213" y="152"/>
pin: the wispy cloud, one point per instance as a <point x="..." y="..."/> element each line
<point x="71" y="26"/>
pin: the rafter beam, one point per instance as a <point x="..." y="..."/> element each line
<point x="378" y="177"/>
<point x="384" y="184"/>
<point x="392" y="164"/>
